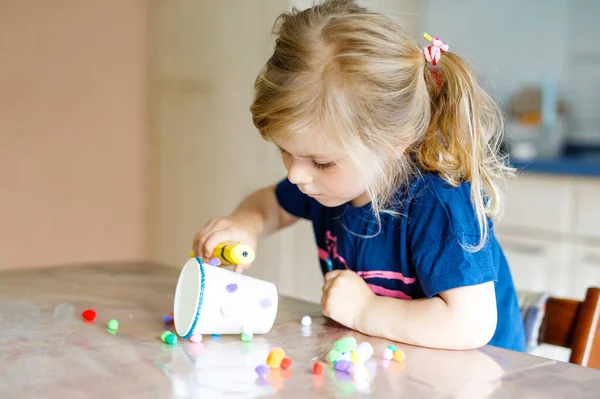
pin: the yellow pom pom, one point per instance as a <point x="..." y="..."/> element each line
<point x="399" y="356"/>
<point x="357" y="357"/>
<point x="275" y="357"/>
<point x="192" y="254"/>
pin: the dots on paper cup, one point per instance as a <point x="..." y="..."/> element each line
<point x="214" y="262"/>
<point x="231" y="288"/>
<point x="265" y="303"/>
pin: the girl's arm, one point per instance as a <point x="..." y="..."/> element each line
<point x="258" y="215"/>
<point x="262" y="209"/>
<point x="460" y="318"/>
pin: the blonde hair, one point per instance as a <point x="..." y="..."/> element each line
<point x="362" y="78"/>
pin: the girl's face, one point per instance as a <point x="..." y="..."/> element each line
<point x="320" y="170"/>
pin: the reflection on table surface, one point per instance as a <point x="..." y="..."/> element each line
<point x="47" y="350"/>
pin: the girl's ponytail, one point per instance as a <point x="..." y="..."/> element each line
<point x="462" y="140"/>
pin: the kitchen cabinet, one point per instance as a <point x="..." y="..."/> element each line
<point x="550" y="233"/>
<point x="536" y="264"/>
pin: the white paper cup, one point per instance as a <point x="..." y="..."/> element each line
<point x="213" y="300"/>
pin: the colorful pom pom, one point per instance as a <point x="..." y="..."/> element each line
<point x="113" y="325"/>
<point x="399" y="356"/>
<point x="333" y="356"/>
<point x="164" y="335"/>
<point x="366" y="349"/>
<point x="392" y="348"/>
<point x="262" y="370"/>
<point x="317" y="368"/>
<point x="171" y="339"/>
<point x="275" y="357"/>
<point x="347" y="344"/>
<point x="89" y="314"/>
<point x="306" y="321"/>
<point x="168" y="318"/>
<point x="343" y="365"/>
<point x="286" y="363"/>
<point x="247" y="337"/>
<point x="195" y="338"/>
<point x="358" y="357"/>
<point x="388" y="354"/>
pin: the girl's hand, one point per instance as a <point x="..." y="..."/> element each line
<point x="345" y="297"/>
<point x="234" y="228"/>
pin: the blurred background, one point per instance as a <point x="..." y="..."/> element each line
<point x="125" y="126"/>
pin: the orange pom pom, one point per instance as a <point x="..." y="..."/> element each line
<point x="286" y="363"/>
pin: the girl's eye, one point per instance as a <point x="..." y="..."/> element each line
<point x="322" y="166"/>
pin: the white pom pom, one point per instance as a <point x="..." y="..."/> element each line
<point x="306" y="321"/>
<point x="366" y="349"/>
<point x="388" y="354"/>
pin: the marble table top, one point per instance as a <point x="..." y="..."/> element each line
<point x="48" y="351"/>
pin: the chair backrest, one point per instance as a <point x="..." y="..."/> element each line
<point x="575" y="325"/>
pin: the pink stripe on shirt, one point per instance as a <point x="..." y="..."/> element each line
<point x="387" y="275"/>
<point x="389" y="293"/>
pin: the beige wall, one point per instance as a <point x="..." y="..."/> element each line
<point x="206" y="57"/>
<point x="73" y="137"/>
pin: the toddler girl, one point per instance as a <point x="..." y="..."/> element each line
<point x="391" y="153"/>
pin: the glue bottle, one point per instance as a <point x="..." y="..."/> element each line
<point x="233" y="253"/>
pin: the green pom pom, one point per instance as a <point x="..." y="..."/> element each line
<point x="171" y="339"/>
<point x="164" y="335"/>
<point x="347" y="344"/>
<point x="246" y="337"/>
<point x="333" y="356"/>
<point x="393" y="348"/>
<point x="113" y="324"/>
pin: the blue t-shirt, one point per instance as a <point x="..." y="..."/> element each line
<point x="417" y="254"/>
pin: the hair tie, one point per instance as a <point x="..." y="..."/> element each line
<point x="434" y="52"/>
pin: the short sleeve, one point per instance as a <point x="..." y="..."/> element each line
<point x="292" y="200"/>
<point x="442" y="224"/>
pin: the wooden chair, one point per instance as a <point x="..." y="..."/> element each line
<point x="575" y="325"/>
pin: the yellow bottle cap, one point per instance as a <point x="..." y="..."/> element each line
<point x="242" y="254"/>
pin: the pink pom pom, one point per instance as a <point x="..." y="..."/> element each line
<point x="195" y="338"/>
